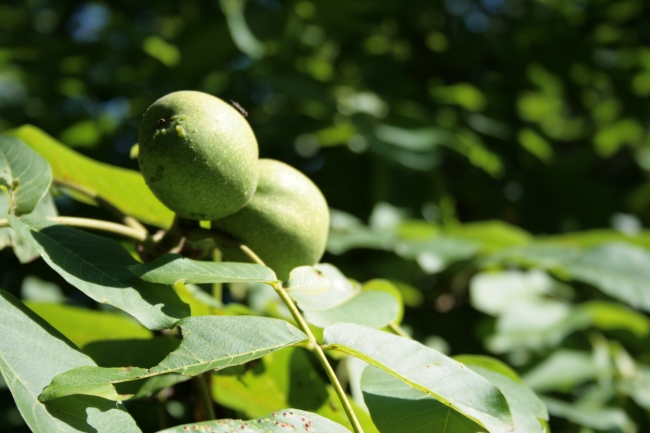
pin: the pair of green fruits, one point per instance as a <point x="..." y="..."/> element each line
<point x="199" y="156"/>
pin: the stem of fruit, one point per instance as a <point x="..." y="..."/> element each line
<point x="89" y="223"/>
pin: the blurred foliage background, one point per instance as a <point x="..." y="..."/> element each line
<point x="418" y="117"/>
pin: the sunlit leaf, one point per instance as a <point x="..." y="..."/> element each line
<point x="397" y="407"/>
<point x="494" y="292"/>
<point x="319" y="287"/>
<point x="491" y="235"/>
<point x="123" y="188"/>
<point x="24" y="175"/>
<point x="540" y="255"/>
<point x="528" y="411"/>
<point x="372" y="308"/>
<point x="536" y="324"/>
<point x="209" y="343"/>
<point x="426" y="370"/>
<point x="562" y="370"/>
<point x="590" y="415"/>
<point x="620" y="270"/>
<point x="436" y="254"/>
<point x="609" y="315"/>
<point x="82" y="326"/>
<point x="172" y="268"/>
<point x="98" y="266"/>
<point x="31" y="354"/>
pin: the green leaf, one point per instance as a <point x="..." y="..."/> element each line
<point x="537" y="255"/>
<point x="392" y="289"/>
<point x="639" y="386"/>
<point x="327" y="297"/>
<point x="23" y="250"/>
<point x="591" y="415"/>
<point x="209" y="343"/>
<point x="371" y="308"/>
<point x="620" y="270"/>
<point x="284" y="378"/>
<point x="276" y="422"/>
<point x="98" y="267"/>
<point x="562" y="370"/>
<point x="81" y="326"/>
<point x="528" y="411"/>
<point x="598" y="237"/>
<point x="319" y="287"/>
<point x="123" y="188"/>
<point x="609" y="315"/>
<point x="396" y="407"/>
<point x="348" y="232"/>
<point x="492" y="235"/>
<point x="31" y="354"/>
<point x="536" y="324"/>
<point x="25" y="177"/>
<point x="172" y="268"/>
<point x="436" y="254"/>
<point x="495" y="292"/>
<point x="427" y="370"/>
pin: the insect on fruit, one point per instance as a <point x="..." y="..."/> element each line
<point x="239" y="108"/>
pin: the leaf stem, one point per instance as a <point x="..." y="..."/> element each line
<point x="205" y="395"/>
<point x="399" y="330"/>
<point x="89" y="223"/>
<point x="103" y="203"/>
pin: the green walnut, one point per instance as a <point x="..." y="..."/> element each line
<point x="198" y="155"/>
<point x="285" y="223"/>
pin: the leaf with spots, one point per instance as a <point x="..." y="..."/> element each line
<point x="25" y="176"/>
<point x="99" y="267"/>
<point x="427" y="370"/>
<point x="209" y="343"/>
<point x="287" y="420"/>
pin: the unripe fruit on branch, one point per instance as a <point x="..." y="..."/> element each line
<point x="198" y="155"/>
<point x="285" y="223"/>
